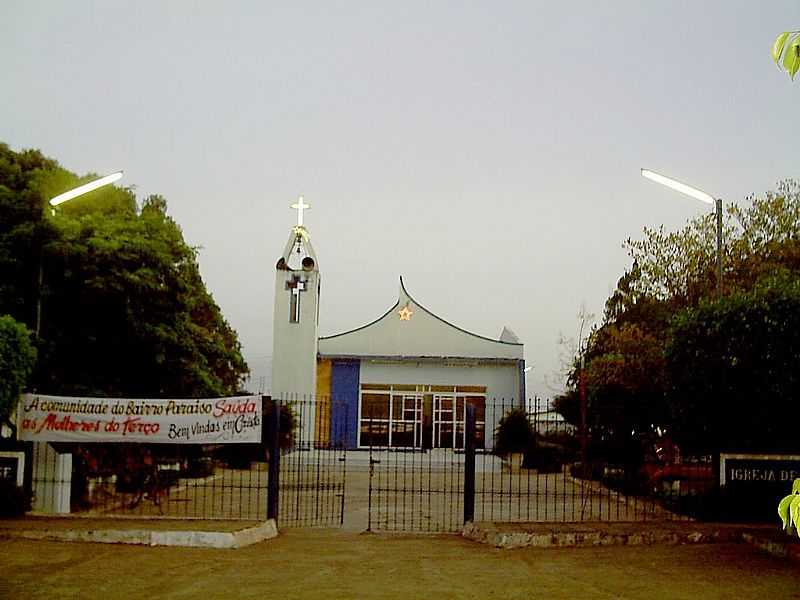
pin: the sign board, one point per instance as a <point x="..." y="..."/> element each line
<point x="197" y="421"/>
<point x="753" y="484"/>
<point x="759" y="470"/>
<point x="12" y="466"/>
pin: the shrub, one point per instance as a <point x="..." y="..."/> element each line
<point x="239" y="456"/>
<point x="545" y="458"/>
<point x="514" y="432"/>
<point x="288" y="423"/>
<point x="14" y="501"/>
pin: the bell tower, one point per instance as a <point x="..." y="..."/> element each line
<point x="295" y="320"/>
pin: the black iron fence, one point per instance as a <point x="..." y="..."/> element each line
<point x="425" y="463"/>
<point x="312" y="469"/>
<point x="149" y="480"/>
<point x="507" y="462"/>
<point x="295" y="474"/>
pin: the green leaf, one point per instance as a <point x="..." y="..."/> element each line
<point x="794" y="510"/>
<point x="783" y="510"/>
<point x="789" y="55"/>
<point x="777" y="46"/>
<point x="793" y="51"/>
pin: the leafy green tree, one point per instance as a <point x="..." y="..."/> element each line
<point x="625" y="379"/>
<point x="787" y="47"/>
<point x="17" y="358"/>
<point x="623" y="372"/>
<point x="24" y="230"/>
<point x="124" y="308"/>
<point x="734" y="367"/>
<point x="628" y="383"/>
<point x="679" y="267"/>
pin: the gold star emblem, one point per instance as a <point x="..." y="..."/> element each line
<point x="405" y="313"/>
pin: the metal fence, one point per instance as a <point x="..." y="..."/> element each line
<point x="149" y="480"/>
<point x="532" y="467"/>
<point x="312" y="462"/>
<point x="293" y="475"/>
<point x="427" y="464"/>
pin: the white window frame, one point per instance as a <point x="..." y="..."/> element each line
<point x="418" y="396"/>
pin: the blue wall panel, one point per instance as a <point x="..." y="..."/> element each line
<point x="345" y="381"/>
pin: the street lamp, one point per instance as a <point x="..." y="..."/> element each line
<point x="55" y="201"/>
<point x="703" y="197"/>
<point x="86" y="188"/>
<point x="528" y="405"/>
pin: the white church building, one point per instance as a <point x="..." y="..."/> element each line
<point x="400" y="381"/>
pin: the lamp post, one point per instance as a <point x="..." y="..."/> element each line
<point x="717" y="203"/>
<point x="55" y="201"/>
<point x="703" y="197"/>
<point x="528" y="406"/>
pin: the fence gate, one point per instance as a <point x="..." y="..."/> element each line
<point x="461" y="468"/>
<point x="312" y="463"/>
<point x="419" y="488"/>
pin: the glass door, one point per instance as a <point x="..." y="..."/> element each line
<point x="406" y="421"/>
<point x="448" y="421"/>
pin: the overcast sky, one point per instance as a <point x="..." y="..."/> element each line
<point x="488" y="152"/>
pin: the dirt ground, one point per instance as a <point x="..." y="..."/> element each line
<point x="339" y="564"/>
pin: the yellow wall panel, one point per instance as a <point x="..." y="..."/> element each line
<point x="323" y="405"/>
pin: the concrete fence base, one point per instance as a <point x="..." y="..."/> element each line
<point x="597" y="534"/>
<point x="150" y="537"/>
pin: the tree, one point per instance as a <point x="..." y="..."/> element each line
<point x="625" y="379"/>
<point x="623" y="363"/>
<point x="734" y="368"/>
<point x="24" y="230"/>
<point x="125" y="311"/>
<point x="638" y="371"/>
<point x="679" y="267"/>
<point x="787" y="46"/>
<point x="17" y="357"/>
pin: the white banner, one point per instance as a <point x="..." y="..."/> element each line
<point x="197" y="421"/>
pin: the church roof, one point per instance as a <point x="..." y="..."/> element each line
<point x="408" y="330"/>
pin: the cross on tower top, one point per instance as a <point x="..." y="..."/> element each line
<point x="300" y="206"/>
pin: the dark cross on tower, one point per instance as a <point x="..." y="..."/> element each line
<point x="296" y="285"/>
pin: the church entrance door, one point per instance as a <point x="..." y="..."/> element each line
<point x="448" y="421"/>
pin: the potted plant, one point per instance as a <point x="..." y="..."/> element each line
<point x="512" y="437"/>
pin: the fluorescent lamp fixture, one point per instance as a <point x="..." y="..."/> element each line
<point x="679" y="187"/>
<point x="86" y="188"/>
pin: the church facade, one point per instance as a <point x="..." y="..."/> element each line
<point x="402" y="381"/>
